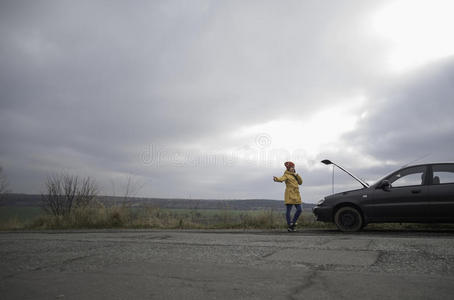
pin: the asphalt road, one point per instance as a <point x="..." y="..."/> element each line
<point x="145" y="264"/>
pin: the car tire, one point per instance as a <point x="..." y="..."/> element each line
<point x="348" y="219"/>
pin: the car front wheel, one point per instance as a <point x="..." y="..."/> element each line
<point x="348" y="219"/>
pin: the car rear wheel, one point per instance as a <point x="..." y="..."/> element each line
<point x="348" y="219"/>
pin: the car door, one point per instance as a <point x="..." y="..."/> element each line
<point x="406" y="200"/>
<point x="441" y="192"/>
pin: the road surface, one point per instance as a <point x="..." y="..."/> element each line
<point x="149" y="264"/>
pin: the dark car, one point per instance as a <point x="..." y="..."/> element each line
<point x="419" y="194"/>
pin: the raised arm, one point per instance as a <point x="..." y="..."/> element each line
<point x="280" y="179"/>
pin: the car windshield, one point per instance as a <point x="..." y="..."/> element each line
<point x="383" y="178"/>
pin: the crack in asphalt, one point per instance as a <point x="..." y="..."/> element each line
<point x="190" y="279"/>
<point x="308" y="282"/>
<point x="269" y="254"/>
<point x="63" y="263"/>
<point x="371" y="242"/>
<point x="380" y="255"/>
<point x="41" y="268"/>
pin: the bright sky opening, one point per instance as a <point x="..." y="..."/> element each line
<point x="419" y="32"/>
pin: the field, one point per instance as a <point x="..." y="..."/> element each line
<point x="23" y="214"/>
<point x="148" y="217"/>
<point x="123" y="216"/>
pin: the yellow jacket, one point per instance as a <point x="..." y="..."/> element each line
<point x="292" y="192"/>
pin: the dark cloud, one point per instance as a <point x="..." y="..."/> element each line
<point x="411" y="118"/>
<point x="88" y="86"/>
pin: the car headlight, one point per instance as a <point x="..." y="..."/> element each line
<point x="320" y="202"/>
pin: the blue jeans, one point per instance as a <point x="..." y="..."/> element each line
<point x="297" y="213"/>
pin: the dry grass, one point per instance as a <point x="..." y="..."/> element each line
<point x="12" y="223"/>
<point x="123" y="216"/>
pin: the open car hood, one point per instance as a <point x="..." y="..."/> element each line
<point x="329" y="162"/>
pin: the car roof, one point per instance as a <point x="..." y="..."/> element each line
<point x="429" y="163"/>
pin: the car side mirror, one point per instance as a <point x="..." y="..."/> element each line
<point x="385" y="185"/>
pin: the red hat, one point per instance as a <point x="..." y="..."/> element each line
<point x="289" y="164"/>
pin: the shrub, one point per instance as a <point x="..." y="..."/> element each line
<point x="66" y="191"/>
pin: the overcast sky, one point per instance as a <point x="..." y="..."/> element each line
<point x="208" y="99"/>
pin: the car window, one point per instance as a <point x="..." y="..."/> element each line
<point x="409" y="176"/>
<point x="443" y="174"/>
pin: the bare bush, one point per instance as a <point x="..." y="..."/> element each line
<point x="3" y="185"/>
<point x="130" y="190"/>
<point x="86" y="193"/>
<point x="64" y="192"/>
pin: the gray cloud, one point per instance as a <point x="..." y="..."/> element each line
<point x="88" y="86"/>
<point x="411" y="117"/>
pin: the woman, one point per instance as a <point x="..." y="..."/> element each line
<point x="292" y="193"/>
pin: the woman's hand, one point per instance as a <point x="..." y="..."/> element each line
<point x="274" y="178"/>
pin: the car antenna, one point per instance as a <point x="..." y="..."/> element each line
<point x="332" y="182"/>
<point x="328" y="162"/>
<point x="417" y="159"/>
